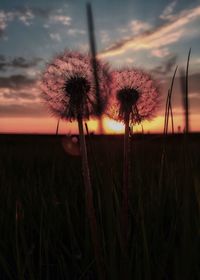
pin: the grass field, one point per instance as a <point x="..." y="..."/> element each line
<point x="44" y="231"/>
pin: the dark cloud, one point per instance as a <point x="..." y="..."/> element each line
<point x="16" y="82"/>
<point x="19" y="87"/>
<point x="3" y="62"/>
<point x="177" y="94"/>
<point x="37" y="11"/>
<point x="23" y="110"/>
<point x="166" y="67"/>
<point x="2" y="58"/>
<point x="193" y="83"/>
<point x="23" y="63"/>
<point x="18" y="62"/>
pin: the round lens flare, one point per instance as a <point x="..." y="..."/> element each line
<point x="71" y="145"/>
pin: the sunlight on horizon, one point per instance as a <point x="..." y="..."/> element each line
<point x="48" y="125"/>
<point x="111" y="126"/>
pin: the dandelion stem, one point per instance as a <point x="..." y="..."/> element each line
<point x="125" y="189"/>
<point x="124" y="271"/>
<point x="89" y="201"/>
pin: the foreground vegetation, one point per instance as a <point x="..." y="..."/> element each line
<point x="44" y="229"/>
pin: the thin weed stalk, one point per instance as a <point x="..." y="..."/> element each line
<point x="168" y="108"/>
<point x="92" y="43"/>
<point x="172" y="117"/>
<point x="57" y="127"/>
<point x="186" y="95"/>
<point x="168" y="105"/>
<point x="184" y="90"/>
<point x="165" y="130"/>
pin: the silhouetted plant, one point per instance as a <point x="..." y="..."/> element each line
<point x="134" y="99"/>
<point x="69" y="90"/>
<point x="185" y="92"/>
<point x="57" y="126"/>
<point x="92" y="43"/>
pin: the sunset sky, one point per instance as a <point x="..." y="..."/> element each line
<point x="152" y="35"/>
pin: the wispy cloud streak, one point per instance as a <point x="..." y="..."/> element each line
<point x="159" y="37"/>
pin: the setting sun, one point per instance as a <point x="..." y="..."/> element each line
<point x="112" y="126"/>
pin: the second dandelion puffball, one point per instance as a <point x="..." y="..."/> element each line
<point x="134" y="93"/>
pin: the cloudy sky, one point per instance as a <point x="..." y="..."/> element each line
<point x="152" y="35"/>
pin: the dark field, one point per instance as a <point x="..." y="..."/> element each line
<point x="44" y="231"/>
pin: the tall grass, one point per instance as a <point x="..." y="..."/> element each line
<point x="92" y="44"/>
<point x="184" y="81"/>
<point x="50" y="239"/>
<point x="57" y="126"/>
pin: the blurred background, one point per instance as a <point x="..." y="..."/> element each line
<point x="155" y="36"/>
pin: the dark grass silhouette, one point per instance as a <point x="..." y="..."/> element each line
<point x="45" y="232"/>
<point x="184" y="81"/>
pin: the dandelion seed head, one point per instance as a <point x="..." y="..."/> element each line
<point x="68" y="86"/>
<point x="133" y="92"/>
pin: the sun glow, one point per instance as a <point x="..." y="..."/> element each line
<point x="49" y="124"/>
<point x="112" y="126"/>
